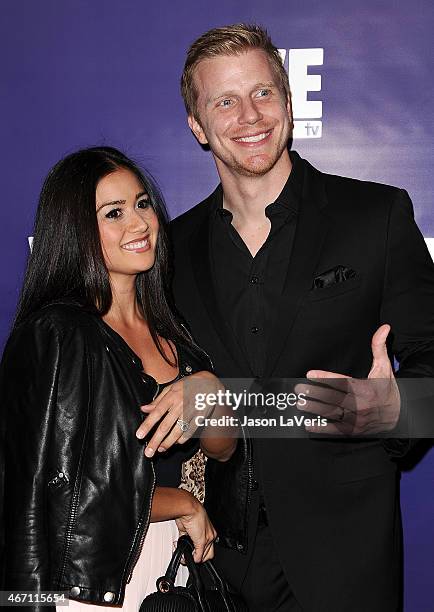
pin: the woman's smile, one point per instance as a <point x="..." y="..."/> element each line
<point x="138" y="246"/>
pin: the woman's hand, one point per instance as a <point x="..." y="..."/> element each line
<point x="176" y="412"/>
<point x="190" y="516"/>
<point x="201" y="531"/>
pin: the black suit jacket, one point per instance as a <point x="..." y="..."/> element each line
<point x="333" y="504"/>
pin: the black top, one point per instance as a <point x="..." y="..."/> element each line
<point x="168" y="465"/>
<point x="249" y="287"/>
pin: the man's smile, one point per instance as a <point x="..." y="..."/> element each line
<point x="254" y="138"/>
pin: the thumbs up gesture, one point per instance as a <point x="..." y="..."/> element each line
<point x="355" y="406"/>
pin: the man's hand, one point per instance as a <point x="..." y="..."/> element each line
<point x="176" y="412"/>
<point x="355" y="406"/>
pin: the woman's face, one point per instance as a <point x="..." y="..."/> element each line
<point x="128" y="224"/>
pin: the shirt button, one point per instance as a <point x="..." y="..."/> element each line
<point x="109" y="596"/>
<point x="254" y="329"/>
<point x="254" y="280"/>
<point x="75" y="591"/>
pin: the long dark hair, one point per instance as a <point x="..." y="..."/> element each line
<point x="67" y="262"/>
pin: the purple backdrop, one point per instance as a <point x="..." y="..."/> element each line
<point x="78" y="73"/>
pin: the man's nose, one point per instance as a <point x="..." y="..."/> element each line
<point x="249" y="112"/>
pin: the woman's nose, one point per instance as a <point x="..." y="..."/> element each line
<point x="138" y="222"/>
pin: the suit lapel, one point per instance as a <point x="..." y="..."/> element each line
<point x="204" y="277"/>
<point x="312" y="228"/>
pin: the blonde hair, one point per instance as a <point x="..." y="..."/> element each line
<point x="228" y="40"/>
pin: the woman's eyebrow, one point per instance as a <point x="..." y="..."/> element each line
<point x="113" y="203"/>
<point x="120" y="202"/>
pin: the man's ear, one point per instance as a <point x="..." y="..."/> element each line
<point x="197" y="129"/>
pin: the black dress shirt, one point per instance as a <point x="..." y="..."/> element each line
<point x="249" y="287"/>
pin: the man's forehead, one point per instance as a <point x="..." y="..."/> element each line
<point x="244" y="69"/>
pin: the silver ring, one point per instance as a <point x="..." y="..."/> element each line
<point x="183" y="425"/>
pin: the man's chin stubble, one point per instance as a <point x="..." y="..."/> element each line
<point x="253" y="171"/>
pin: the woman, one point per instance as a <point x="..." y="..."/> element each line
<point x="85" y="511"/>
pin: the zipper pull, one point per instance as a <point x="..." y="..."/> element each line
<point x="58" y="481"/>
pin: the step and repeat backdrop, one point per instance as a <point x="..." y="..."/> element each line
<point x="92" y="72"/>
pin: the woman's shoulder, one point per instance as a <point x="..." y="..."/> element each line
<point x="52" y="324"/>
<point x="51" y="335"/>
<point x="61" y="316"/>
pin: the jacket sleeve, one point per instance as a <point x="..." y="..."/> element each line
<point x="408" y="306"/>
<point x="28" y="379"/>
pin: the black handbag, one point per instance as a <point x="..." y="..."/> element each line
<point x="195" y="597"/>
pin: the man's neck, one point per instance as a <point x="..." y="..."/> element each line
<point x="247" y="197"/>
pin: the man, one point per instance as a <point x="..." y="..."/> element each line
<point x="280" y="270"/>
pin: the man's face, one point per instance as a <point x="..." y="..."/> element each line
<point x="242" y="113"/>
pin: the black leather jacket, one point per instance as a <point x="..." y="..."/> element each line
<point x="77" y="488"/>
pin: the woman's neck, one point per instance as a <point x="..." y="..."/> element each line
<point x="124" y="310"/>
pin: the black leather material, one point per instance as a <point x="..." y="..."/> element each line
<point x="77" y="487"/>
<point x="195" y="597"/>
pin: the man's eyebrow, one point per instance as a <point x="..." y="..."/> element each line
<point x="229" y="92"/>
<point x="221" y="95"/>
<point x="263" y="85"/>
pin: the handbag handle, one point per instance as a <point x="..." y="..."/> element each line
<point x="220" y="585"/>
<point x="167" y="582"/>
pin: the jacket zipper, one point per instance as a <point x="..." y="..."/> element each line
<point x="136" y="556"/>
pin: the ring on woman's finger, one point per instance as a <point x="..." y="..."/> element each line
<point x="183" y="425"/>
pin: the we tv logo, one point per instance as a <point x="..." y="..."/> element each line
<point x="307" y="113"/>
